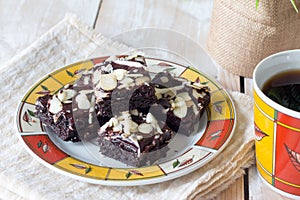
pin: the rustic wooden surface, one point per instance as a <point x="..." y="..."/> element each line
<point x="24" y="21"/>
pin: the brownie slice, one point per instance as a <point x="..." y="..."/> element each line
<point x="134" y="139"/>
<point x="182" y="100"/>
<point x="70" y="112"/>
<point x="122" y="84"/>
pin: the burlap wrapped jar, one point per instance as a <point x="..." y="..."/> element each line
<point x="240" y="35"/>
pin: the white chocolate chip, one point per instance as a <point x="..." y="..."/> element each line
<point x="119" y="73"/>
<point x="107" y="82"/>
<point x="145" y="128"/>
<point x="55" y="105"/>
<point x="82" y="101"/>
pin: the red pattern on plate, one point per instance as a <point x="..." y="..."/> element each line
<point x="99" y="60"/>
<point x="216" y="133"/>
<point x="42" y="146"/>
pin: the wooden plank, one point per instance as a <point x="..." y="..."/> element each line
<point x="249" y="86"/>
<point x="259" y="190"/>
<point x="23" y="22"/>
<point x="190" y="19"/>
<point x="228" y="80"/>
<point x="234" y="192"/>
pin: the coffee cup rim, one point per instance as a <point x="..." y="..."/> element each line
<point x="265" y="98"/>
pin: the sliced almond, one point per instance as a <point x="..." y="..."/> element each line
<point x="135" y="75"/>
<point x="119" y="73"/>
<point x="164" y="92"/>
<point x="55" y="105"/>
<point x="164" y="79"/>
<point x="134" y="112"/>
<point x="117" y="128"/>
<point x="108" y="82"/>
<point x="190" y="103"/>
<point x="82" y="101"/>
<point x="96" y="76"/>
<point x="197" y="95"/>
<point x="100" y="94"/>
<point x="113" y="122"/>
<point x="180" y="111"/>
<point x="196" y="85"/>
<point x="142" y="80"/>
<point x="126" y="81"/>
<point x="150" y="118"/>
<point x="145" y="128"/>
<point x="185" y="96"/>
<point x="180" y="108"/>
<point x="70" y="93"/>
<point x="61" y="95"/>
<point x="86" y="91"/>
<point x="133" y="126"/>
<point x="108" y="68"/>
<point x="139" y="137"/>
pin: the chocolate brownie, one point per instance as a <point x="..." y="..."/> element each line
<point x="174" y="104"/>
<point x="121" y="84"/>
<point x="70" y="112"/>
<point x="135" y="139"/>
<point x="182" y="100"/>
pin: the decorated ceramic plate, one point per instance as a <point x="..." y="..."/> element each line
<point x="83" y="161"/>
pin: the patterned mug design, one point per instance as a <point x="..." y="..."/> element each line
<point x="277" y="129"/>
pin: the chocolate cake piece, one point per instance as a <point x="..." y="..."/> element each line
<point x="182" y="100"/>
<point x="70" y="112"/>
<point x="136" y="140"/>
<point x="122" y="84"/>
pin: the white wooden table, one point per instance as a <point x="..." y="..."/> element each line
<point x="22" y="22"/>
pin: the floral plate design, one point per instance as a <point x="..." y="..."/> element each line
<point x="75" y="160"/>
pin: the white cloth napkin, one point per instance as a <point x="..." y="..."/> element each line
<point x="21" y="176"/>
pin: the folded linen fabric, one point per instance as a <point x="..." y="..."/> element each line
<point x="21" y="176"/>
